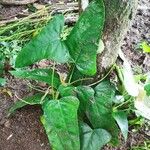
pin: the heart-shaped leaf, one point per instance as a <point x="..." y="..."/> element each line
<point x="61" y="123"/>
<point x="46" y="45"/>
<point x="84" y="39"/>
<point x="43" y="75"/>
<point x="93" y="139"/>
<point x="99" y="109"/>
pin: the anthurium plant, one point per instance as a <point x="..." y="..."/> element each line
<point x="75" y="116"/>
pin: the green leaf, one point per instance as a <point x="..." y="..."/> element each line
<point x="147" y="89"/>
<point x="46" y="45"/>
<point x="93" y="139"/>
<point x="83" y="93"/>
<point x="2" y="81"/>
<point x="43" y="75"/>
<point x="32" y="100"/>
<point x="122" y="122"/>
<point x="145" y="47"/>
<point x="99" y="109"/>
<point x="67" y="90"/>
<point x="75" y="75"/>
<point x="61" y="123"/>
<point x="84" y="38"/>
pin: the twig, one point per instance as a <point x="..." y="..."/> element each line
<point x="33" y="87"/>
<point x="84" y="79"/>
<point x="104" y="76"/>
<point x="24" y="100"/>
<point x="43" y="97"/>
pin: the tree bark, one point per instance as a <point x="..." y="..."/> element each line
<point x="119" y="14"/>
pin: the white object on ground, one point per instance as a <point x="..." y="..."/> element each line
<point x="142" y="104"/>
<point x="128" y="79"/>
<point x="84" y="4"/>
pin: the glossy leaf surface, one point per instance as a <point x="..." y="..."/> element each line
<point x="83" y="93"/>
<point x="46" y="45"/>
<point x="99" y="109"/>
<point x="84" y="38"/>
<point x="93" y="139"/>
<point x="61" y="123"/>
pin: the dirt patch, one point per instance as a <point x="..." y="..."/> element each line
<point x="22" y="131"/>
<point x="135" y="139"/>
<point x="139" y="32"/>
<point x="7" y="12"/>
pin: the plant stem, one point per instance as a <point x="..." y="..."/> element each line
<point x="52" y="80"/>
<point x="84" y="79"/>
<point x="33" y="87"/>
<point x="119" y="72"/>
<point x="104" y="76"/>
<point x="126" y="102"/>
<point x="71" y="74"/>
<point x="43" y="97"/>
<point x="24" y="100"/>
<point x="57" y="95"/>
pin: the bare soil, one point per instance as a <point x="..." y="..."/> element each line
<point x="24" y="131"/>
<point x="139" y="32"/>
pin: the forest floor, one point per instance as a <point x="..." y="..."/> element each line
<point x="24" y="131"/>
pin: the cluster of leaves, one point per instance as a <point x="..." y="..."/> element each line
<point x="8" y="54"/>
<point x="9" y="51"/>
<point x="75" y="116"/>
<point x="16" y="34"/>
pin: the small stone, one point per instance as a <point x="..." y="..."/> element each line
<point x="7" y="124"/>
<point x="8" y="138"/>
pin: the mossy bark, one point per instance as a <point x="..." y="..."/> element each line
<point x="119" y="14"/>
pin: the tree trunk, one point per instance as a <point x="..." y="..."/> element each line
<point x="119" y="14"/>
